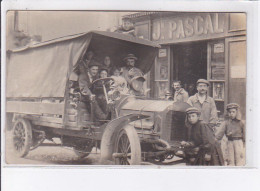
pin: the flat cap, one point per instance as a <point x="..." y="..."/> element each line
<point x="93" y="63"/>
<point x="232" y="106"/>
<point x="132" y="56"/>
<point x="101" y="68"/>
<point x="192" y="110"/>
<point x="203" y="81"/>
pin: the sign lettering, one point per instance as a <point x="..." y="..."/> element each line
<point x="181" y="28"/>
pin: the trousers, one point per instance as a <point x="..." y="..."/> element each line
<point x="236" y="153"/>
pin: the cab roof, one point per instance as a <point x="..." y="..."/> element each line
<point x="114" y="35"/>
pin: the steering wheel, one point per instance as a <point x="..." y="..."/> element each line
<point x="97" y="85"/>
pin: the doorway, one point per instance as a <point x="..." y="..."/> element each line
<point x="189" y="64"/>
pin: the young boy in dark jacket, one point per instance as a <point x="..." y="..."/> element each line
<point x="200" y="147"/>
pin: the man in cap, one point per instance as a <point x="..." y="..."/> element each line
<point x="204" y="103"/>
<point x="180" y="95"/>
<point x="130" y="71"/>
<point x="86" y="77"/>
<point x="200" y="146"/>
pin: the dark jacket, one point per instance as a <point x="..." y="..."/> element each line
<point x="202" y="136"/>
<point x="85" y="82"/>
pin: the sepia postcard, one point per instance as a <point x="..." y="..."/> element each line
<point x="136" y="95"/>
<point x="125" y="88"/>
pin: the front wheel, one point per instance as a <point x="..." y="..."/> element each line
<point x="127" y="148"/>
<point x="22" y="137"/>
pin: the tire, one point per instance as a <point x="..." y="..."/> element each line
<point x="128" y="144"/>
<point x="82" y="153"/>
<point x="22" y="137"/>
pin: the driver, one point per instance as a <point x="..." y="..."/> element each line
<point x="101" y="109"/>
<point x="130" y="71"/>
<point x="86" y="77"/>
<point x="101" y="106"/>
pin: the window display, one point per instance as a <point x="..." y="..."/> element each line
<point x="216" y="73"/>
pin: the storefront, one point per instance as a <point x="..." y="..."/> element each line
<point x="197" y="45"/>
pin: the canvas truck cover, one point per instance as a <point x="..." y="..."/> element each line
<point x="41" y="70"/>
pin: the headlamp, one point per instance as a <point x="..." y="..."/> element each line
<point x="137" y="83"/>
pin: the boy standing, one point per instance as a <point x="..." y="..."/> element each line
<point x="234" y="129"/>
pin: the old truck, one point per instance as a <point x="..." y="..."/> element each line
<point x="41" y="104"/>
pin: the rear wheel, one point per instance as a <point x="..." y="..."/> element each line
<point x="127" y="148"/>
<point x="22" y="137"/>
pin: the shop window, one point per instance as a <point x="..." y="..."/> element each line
<point x="216" y="73"/>
<point x="162" y="74"/>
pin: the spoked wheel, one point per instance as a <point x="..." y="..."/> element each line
<point x="82" y="152"/>
<point x="22" y="137"/>
<point x="127" y="148"/>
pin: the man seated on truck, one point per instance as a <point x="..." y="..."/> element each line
<point x="130" y="71"/>
<point x="99" y="108"/>
<point x="86" y="77"/>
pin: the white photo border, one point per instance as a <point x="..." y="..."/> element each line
<point x="17" y="177"/>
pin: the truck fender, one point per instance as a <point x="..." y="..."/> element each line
<point x="110" y="134"/>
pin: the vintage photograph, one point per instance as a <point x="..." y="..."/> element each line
<point x="125" y="88"/>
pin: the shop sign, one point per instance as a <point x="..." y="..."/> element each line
<point x="162" y="53"/>
<point x="197" y="25"/>
<point x="219" y="48"/>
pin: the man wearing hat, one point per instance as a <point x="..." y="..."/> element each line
<point x="204" y="103"/>
<point x="86" y="77"/>
<point x="130" y="71"/>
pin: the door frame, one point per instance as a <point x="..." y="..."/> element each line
<point x="228" y="65"/>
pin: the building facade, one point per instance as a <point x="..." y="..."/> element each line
<point x="197" y="45"/>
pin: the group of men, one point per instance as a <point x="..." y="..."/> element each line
<point x="89" y="70"/>
<point x="203" y="106"/>
<point x="200" y="100"/>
